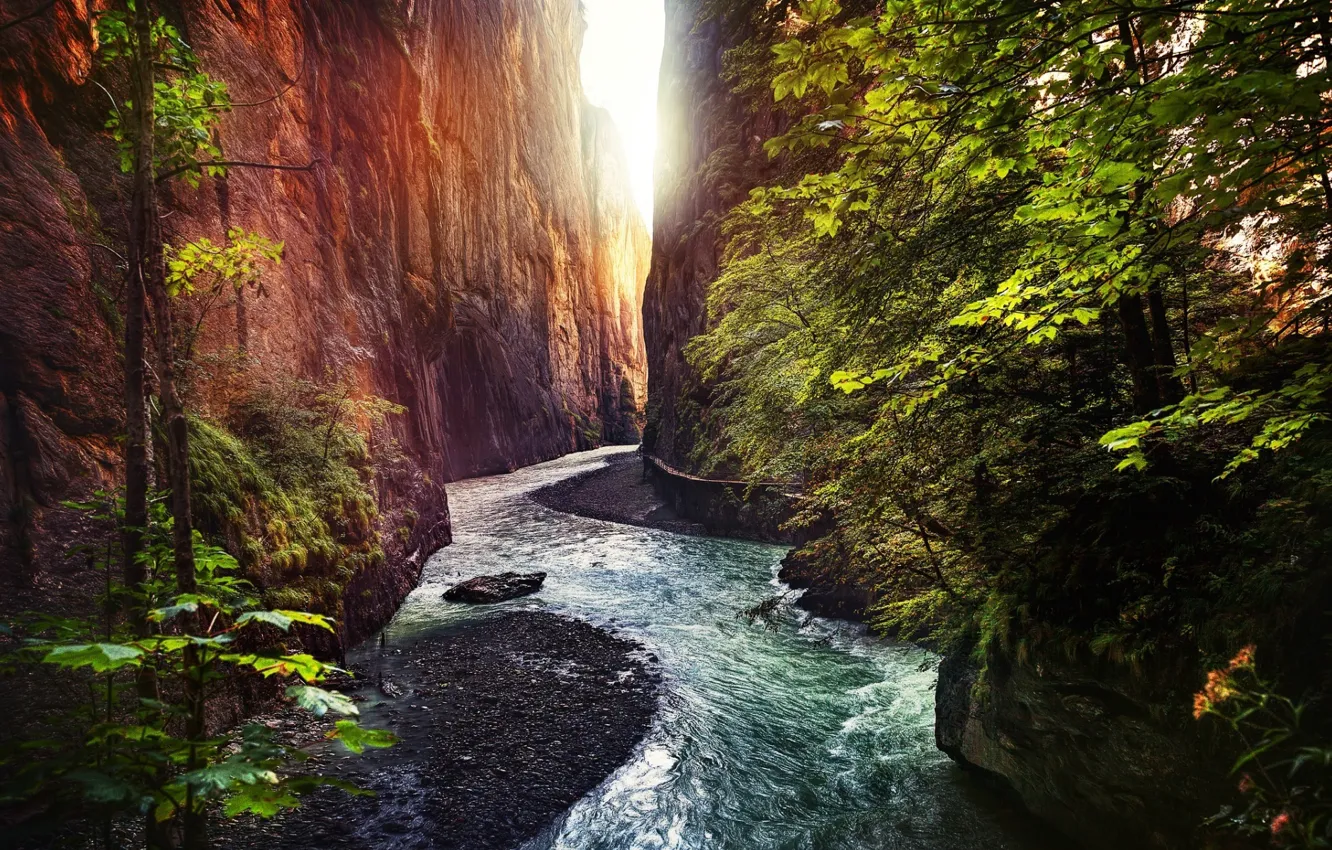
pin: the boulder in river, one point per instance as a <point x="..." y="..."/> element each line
<point x="496" y="588"/>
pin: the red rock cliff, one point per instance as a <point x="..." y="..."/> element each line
<point x="463" y="246"/>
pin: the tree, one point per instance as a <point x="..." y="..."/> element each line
<point x="164" y="132"/>
<point x="1005" y="237"/>
<point x="131" y="756"/>
<point x="1144" y="145"/>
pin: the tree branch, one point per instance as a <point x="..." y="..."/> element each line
<point x="230" y="163"/>
<point x="23" y="19"/>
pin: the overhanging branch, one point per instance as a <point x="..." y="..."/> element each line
<point x="235" y="163"/>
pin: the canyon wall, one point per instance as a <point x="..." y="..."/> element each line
<point x="709" y="155"/>
<point x="458" y="240"/>
<point x="1108" y="756"/>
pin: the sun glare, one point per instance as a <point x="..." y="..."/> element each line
<point x="620" y="62"/>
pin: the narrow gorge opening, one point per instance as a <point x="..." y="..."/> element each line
<point x="621" y="64"/>
<point x="665" y="424"/>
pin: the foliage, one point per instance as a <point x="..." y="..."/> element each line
<point x="130" y="755"/>
<point x="201" y="263"/>
<point x="1284" y="777"/>
<point x="1139" y="146"/>
<point x="283" y="474"/>
<point x="993" y="252"/>
<point x="187" y="101"/>
<point x="184" y="621"/>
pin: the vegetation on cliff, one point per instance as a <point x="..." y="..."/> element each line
<point x="1037" y="313"/>
<point x="179" y="624"/>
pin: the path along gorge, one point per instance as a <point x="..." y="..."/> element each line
<point x="805" y="734"/>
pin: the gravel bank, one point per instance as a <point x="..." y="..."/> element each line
<point x="505" y="722"/>
<point x="618" y="493"/>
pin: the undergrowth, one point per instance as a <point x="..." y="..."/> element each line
<point x="286" y="480"/>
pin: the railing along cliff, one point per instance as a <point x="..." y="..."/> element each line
<point x="757" y="510"/>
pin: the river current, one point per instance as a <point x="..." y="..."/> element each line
<point x="803" y="735"/>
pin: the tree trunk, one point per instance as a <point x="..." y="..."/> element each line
<point x="1138" y="355"/>
<point x="1163" y="350"/>
<point x="150" y="280"/>
<point x="182" y="531"/>
<point x="143" y="251"/>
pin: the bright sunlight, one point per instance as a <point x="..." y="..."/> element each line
<point x="620" y="61"/>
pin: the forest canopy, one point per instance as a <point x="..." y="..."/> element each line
<point x="1037" y="314"/>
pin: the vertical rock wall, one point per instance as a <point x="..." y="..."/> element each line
<point x="622" y="252"/>
<point x="1108" y="756"/>
<point x="709" y="155"/>
<point x="461" y="244"/>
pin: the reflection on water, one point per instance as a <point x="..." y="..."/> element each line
<point x="810" y="735"/>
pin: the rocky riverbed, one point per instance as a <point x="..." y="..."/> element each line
<point x="505" y="722"/>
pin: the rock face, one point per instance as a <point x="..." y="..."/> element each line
<point x="497" y="588"/>
<point x="826" y="593"/>
<point x="709" y="155"/>
<point x="622" y="254"/>
<point x="461" y="245"/>
<point x="1103" y="755"/>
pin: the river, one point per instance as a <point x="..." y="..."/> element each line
<point x="809" y="734"/>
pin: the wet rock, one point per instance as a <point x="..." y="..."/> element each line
<point x="827" y="593"/>
<point x="497" y="588"/>
<point x="1109" y="757"/>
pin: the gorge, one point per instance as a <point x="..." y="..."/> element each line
<point x="480" y="266"/>
<point x="976" y="356"/>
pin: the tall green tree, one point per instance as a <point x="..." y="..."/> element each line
<point x="1009" y="236"/>
<point x="1147" y="145"/>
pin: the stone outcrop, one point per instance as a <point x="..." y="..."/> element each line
<point x="827" y="592"/>
<point x="461" y="244"/>
<point x="497" y="588"/>
<point x="1110" y="758"/>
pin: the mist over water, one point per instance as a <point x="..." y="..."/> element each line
<point x="807" y="735"/>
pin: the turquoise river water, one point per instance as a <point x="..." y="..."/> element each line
<point x="811" y="735"/>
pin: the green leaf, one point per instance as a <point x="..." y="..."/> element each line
<point x="161" y="615"/>
<point x="272" y="618"/>
<point x="264" y="801"/>
<point x="305" y="666"/>
<point x="101" y="657"/>
<point x="319" y="702"/>
<point x="356" y="739"/>
<point x="308" y="619"/>
<point x="1136" y="461"/>
<point x="215" y="779"/>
